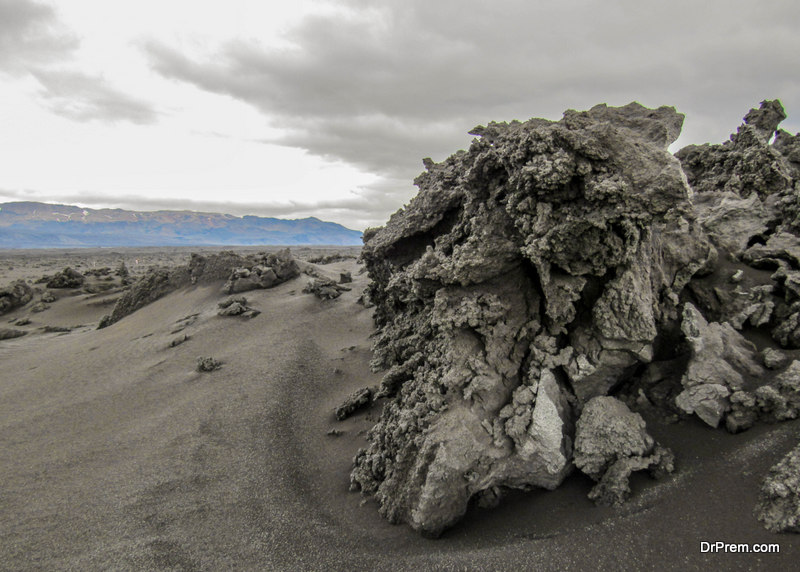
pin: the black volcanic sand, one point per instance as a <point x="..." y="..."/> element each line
<point x="116" y="454"/>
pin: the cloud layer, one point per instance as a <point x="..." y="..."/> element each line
<point x="34" y="42"/>
<point x="376" y="85"/>
<point x="381" y="85"/>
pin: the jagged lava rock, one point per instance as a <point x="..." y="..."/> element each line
<point x="67" y="278"/>
<point x="324" y="288"/>
<point x="747" y="196"/>
<point x="720" y="361"/>
<point x="265" y="271"/>
<point x="611" y="442"/>
<point x="779" y="500"/>
<point x="355" y="401"/>
<point x="226" y="265"/>
<point x="530" y="274"/>
<point x="15" y="295"/>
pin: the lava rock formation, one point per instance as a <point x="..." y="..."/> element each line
<point x="554" y="263"/>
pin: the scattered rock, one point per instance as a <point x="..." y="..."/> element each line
<point x="335" y="433"/>
<point x="353" y="403"/>
<point x="22" y="322"/>
<point x="14" y="296"/>
<point x="56" y="329"/>
<point x="737" y="276"/>
<point x="179" y="340"/>
<point x="48" y="298"/>
<point x="237" y="306"/>
<point x="779" y="399"/>
<point x="611" y="442"/>
<point x="330" y="258"/>
<point x="264" y="271"/>
<point x="205" y="364"/>
<point x="227" y="302"/>
<point x="324" y="289"/>
<point x="67" y="278"/>
<point x="158" y="282"/>
<point x="9" y="333"/>
<point x="39" y="307"/>
<point x="772" y="358"/>
<point x="234" y="309"/>
<point x="779" y="499"/>
<point x="345" y="277"/>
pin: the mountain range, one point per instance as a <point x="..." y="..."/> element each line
<point x="44" y="225"/>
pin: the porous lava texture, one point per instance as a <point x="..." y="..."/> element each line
<point x="555" y="263"/>
<point x="779" y="500"/>
<point x="530" y="274"/>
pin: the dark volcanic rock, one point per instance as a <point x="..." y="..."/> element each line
<point x="67" y="278"/>
<point x="264" y="271"/>
<point x="10" y="333"/>
<point x="15" y="295"/>
<point x="354" y="402"/>
<point x="611" y="442"/>
<point x="206" y="364"/>
<point x="201" y="270"/>
<point x="531" y="273"/>
<point x="748" y="199"/>
<point x="720" y="363"/>
<point x="324" y="288"/>
<point x="779" y="501"/>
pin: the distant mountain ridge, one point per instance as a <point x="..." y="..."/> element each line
<point x="45" y="225"/>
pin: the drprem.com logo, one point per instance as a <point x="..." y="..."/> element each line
<point x="743" y="548"/>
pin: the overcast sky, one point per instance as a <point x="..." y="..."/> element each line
<point x="326" y="108"/>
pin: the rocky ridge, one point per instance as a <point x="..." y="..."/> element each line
<point x="556" y="269"/>
<point x="241" y="273"/>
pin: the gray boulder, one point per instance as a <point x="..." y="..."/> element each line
<point x="67" y="278"/>
<point x="720" y="361"/>
<point x="14" y="296"/>
<point x="611" y="442"/>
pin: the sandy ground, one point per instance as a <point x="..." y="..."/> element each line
<point x="115" y="454"/>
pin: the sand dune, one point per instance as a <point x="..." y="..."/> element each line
<point x="115" y="453"/>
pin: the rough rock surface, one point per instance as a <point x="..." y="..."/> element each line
<point x="531" y="273"/>
<point x="15" y="295"/>
<point x="611" y="442"/>
<point x="720" y="363"/>
<point x="324" y="288"/>
<point x="264" y="271"/>
<point x="236" y="306"/>
<point x="226" y="265"/>
<point x="10" y="333"/>
<point x="779" y="500"/>
<point x="67" y="278"/>
<point x="207" y="363"/>
<point x="747" y="197"/>
<point x="354" y="402"/>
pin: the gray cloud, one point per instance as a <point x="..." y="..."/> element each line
<point x="34" y="41"/>
<point x="30" y="35"/>
<point x="384" y="84"/>
<point x="85" y="97"/>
